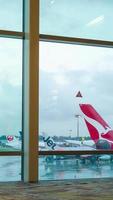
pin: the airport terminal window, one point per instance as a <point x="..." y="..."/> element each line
<point x="75" y="97"/>
<point x="77" y="18"/>
<point x="10" y="89"/>
<point x="10" y="94"/>
<point x="75" y="89"/>
<point x="11" y="15"/>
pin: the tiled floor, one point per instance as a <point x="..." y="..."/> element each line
<point x="83" y="190"/>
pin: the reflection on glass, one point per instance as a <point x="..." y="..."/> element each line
<point x="75" y="97"/>
<point x="11" y="15"/>
<point x="75" y="167"/>
<point x="10" y="94"/>
<point x="10" y="168"/>
<point x="77" y="18"/>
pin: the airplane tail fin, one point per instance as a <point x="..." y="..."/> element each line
<point x="94" y="134"/>
<point x="90" y="112"/>
<point x="49" y="142"/>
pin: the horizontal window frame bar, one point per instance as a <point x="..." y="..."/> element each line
<point x="78" y="41"/>
<point x="76" y="152"/>
<point x="58" y="39"/>
<point x="12" y="34"/>
<point x="10" y="153"/>
<point x="19" y="153"/>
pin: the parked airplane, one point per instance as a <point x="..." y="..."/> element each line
<point x="103" y="137"/>
<point x="13" y="142"/>
<point x="81" y="143"/>
<point x="49" y="144"/>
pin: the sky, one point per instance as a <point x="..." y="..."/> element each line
<point x="10" y="86"/>
<point x="10" y="69"/>
<point x="64" y="68"/>
<point x="11" y="15"/>
<point x="77" y="18"/>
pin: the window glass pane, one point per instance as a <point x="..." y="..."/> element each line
<point x="11" y="15"/>
<point x="70" y="120"/>
<point x="10" y="94"/>
<point x="75" y="167"/>
<point x="10" y="168"/>
<point x="77" y="18"/>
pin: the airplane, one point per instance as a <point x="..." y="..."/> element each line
<point x="103" y="137"/>
<point x="80" y="143"/>
<point x="13" y="142"/>
<point x="100" y="132"/>
<point x="49" y="144"/>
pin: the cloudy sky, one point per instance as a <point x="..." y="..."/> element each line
<point x="64" y="68"/>
<point x="10" y="86"/>
<point x="11" y="15"/>
<point x="10" y="69"/>
<point x="77" y="18"/>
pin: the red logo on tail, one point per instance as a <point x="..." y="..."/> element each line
<point x="90" y="112"/>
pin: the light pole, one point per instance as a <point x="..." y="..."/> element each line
<point x="70" y="131"/>
<point x="77" y="130"/>
<point x="78" y="98"/>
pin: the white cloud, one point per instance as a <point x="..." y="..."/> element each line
<point x="54" y="92"/>
<point x="54" y="98"/>
<point x="61" y="58"/>
<point x="96" y="21"/>
<point x="52" y="1"/>
<point x="61" y="80"/>
<point x="11" y="61"/>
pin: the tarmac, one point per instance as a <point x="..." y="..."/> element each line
<point x="58" y="190"/>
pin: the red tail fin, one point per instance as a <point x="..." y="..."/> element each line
<point x="89" y="111"/>
<point x="93" y="131"/>
<point x="108" y="135"/>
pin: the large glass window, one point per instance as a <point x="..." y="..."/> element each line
<point x="75" y="97"/>
<point x="11" y="15"/>
<point x="10" y="94"/>
<point x="77" y="18"/>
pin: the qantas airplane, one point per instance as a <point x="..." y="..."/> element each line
<point x="99" y="130"/>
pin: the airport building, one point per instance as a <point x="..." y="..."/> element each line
<point x="56" y="119"/>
